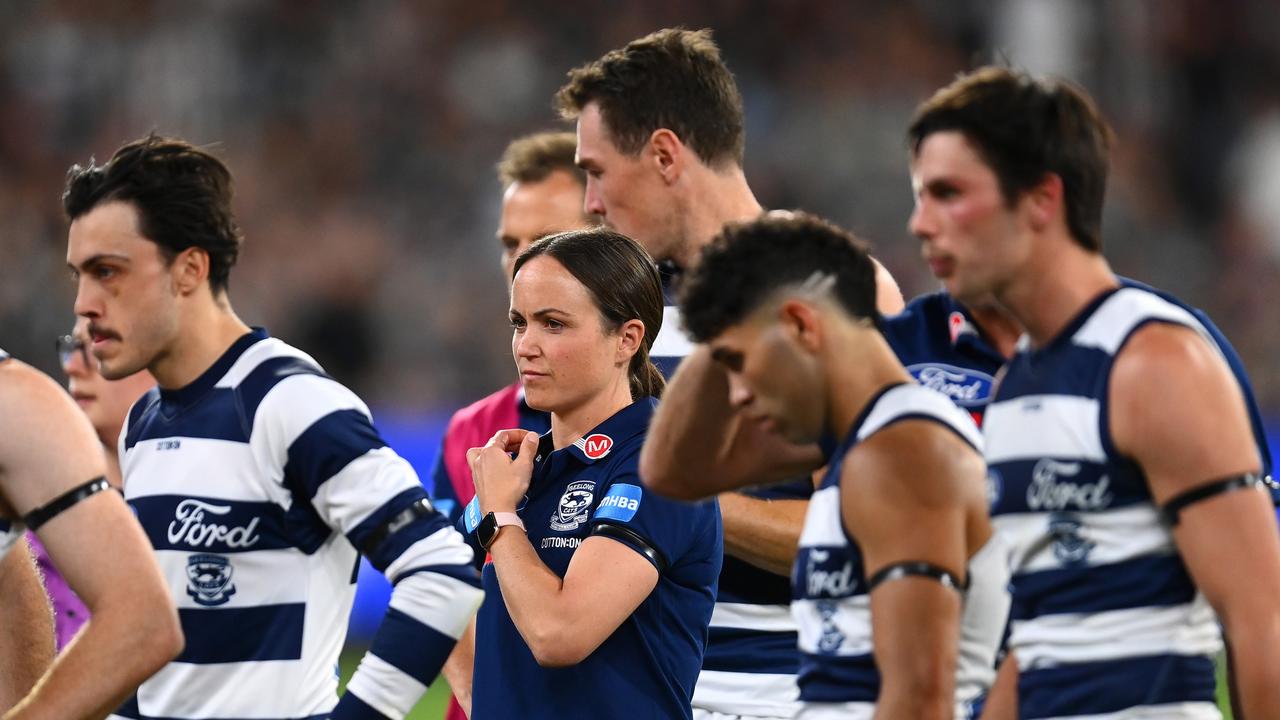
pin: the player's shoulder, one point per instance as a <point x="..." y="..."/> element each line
<point x="24" y="389"/>
<point x="274" y="377"/>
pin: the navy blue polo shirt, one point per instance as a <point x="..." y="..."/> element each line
<point x="648" y="666"/>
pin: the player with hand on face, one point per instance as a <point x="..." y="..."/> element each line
<point x="900" y="585"/>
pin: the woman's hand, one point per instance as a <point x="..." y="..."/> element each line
<point x="501" y="482"/>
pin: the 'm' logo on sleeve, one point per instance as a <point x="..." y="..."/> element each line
<point x="620" y="503"/>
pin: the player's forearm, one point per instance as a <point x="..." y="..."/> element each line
<point x="692" y="425"/>
<point x="27" y="642"/>
<point x="762" y="532"/>
<point x="1002" y="699"/>
<point x="916" y="702"/>
<point x="428" y="612"/>
<point x="125" y="642"/>
<point x="1255" y="658"/>
<point x="533" y="595"/>
<point x="458" y="669"/>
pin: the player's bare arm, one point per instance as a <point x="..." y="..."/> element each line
<point x="905" y="497"/>
<point x="1177" y="411"/>
<point x="699" y="445"/>
<point x="27" y="644"/>
<point x="49" y="448"/>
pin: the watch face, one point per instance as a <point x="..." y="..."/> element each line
<point x="487" y="530"/>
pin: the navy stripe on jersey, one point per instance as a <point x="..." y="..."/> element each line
<point x="751" y="651"/>
<point x="353" y="708"/>
<point x="400" y="641"/>
<point x="1107" y="687"/>
<point x="181" y="522"/>
<point x="461" y="573"/>
<point x="328" y="446"/>
<point x="1147" y="581"/>
<point x="222" y="635"/>
<point x="216" y="418"/>
<point x="1049" y="489"/>
<point x="130" y="711"/>
<point x="263" y="378"/>
<point x="836" y="678"/>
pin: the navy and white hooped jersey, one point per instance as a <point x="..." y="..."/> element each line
<point x="11" y="531"/>
<point x="255" y="485"/>
<point x="751" y="661"/>
<point x="1106" y="620"/>
<point x="830" y="601"/>
<point x="646" y="669"/>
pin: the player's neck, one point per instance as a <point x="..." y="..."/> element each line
<point x="206" y="331"/>
<point x="1058" y="282"/>
<point x="113" y="462"/>
<point x="718" y="197"/>
<point x="997" y="325"/>
<point x="570" y="424"/>
<point x="858" y="370"/>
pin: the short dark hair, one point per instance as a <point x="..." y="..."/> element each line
<point x="532" y="158"/>
<point x="182" y="194"/>
<point x="623" y="281"/>
<point x="1024" y="128"/>
<point x="671" y="79"/>
<point x="747" y="263"/>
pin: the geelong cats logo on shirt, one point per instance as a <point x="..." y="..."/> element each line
<point x="574" y="504"/>
<point x="209" y="579"/>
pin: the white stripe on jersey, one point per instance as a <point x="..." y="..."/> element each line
<point x="431" y="599"/>
<point x="824" y="528"/>
<point x="852" y="622"/>
<point x="289" y="576"/>
<point x="733" y="693"/>
<point x="1171" y="711"/>
<point x="766" y="618"/>
<point x="245" y="690"/>
<point x="912" y="400"/>
<point x="1115" y="535"/>
<point x="237" y="477"/>
<point x="385" y="688"/>
<point x="289" y="409"/>
<point x="1110" y="325"/>
<point x="1063" y="427"/>
<point x="344" y="497"/>
<point x="672" y="340"/>
<point x="1070" y="638"/>
<point x="268" y="349"/>
<point x="837" y="711"/>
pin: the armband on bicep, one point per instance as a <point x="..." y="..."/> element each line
<point x="1171" y="512"/>
<point x="632" y="539"/>
<point x="420" y="508"/>
<point x="43" y="514"/>
<point x="900" y="570"/>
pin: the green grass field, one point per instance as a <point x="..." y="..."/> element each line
<point x="437" y="699"/>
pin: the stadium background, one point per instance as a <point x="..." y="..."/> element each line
<point x="363" y="137"/>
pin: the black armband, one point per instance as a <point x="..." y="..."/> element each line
<point x="1172" y="509"/>
<point x="632" y="539"/>
<point x="420" y="508"/>
<point x="43" y="514"/>
<point x="900" y="570"/>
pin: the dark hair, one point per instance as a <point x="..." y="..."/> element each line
<point x="181" y="192"/>
<point x="532" y="158"/>
<point x="1024" y="128"/>
<point x="671" y="79"/>
<point x="747" y="263"/>
<point x="623" y="282"/>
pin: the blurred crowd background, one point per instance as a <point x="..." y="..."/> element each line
<point x="363" y="137"/>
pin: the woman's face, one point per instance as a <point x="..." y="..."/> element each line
<point x="562" y="350"/>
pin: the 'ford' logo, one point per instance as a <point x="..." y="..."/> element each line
<point x="966" y="388"/>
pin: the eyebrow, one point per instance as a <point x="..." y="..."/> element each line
<point x="96" y="259"/>
<point x="548" y="311"/>
<point x="724" y="356"/>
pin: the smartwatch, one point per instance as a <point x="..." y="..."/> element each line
<point x="487" y="531"/>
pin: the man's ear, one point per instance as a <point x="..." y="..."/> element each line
<point x="668" y="154"/>
<point x="802" y="322"/>
<point x="1045" y="201"/>
<point x="189" y="269"/>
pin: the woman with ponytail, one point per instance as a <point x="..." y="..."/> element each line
<point x="598" y="594"/>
